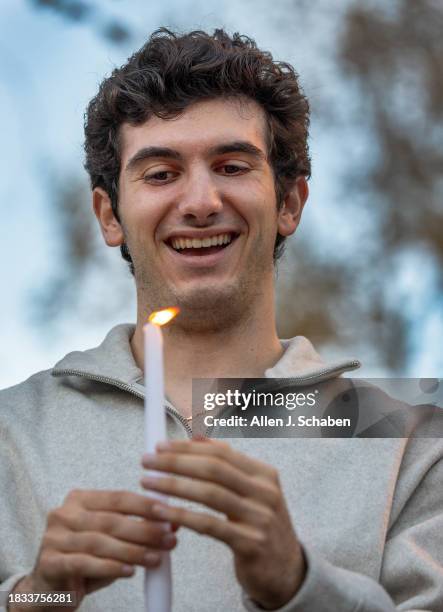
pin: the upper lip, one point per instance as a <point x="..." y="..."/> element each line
<point x="200" y="234"/>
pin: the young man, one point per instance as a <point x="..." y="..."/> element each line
<point x="197" y="153"/>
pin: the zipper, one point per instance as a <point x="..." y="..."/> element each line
<point x="317" y="377"/>
<point x="282" y="383"/>
<point x="124" y="387"/>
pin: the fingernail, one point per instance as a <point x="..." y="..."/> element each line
<point x="163" y="446"/>
<point x="151" y="558"/>
<point x="127" y="570"/>
<point x="168" y="539"/>
<point x="147" y="481"/>
<point x="166" y="527"/>
<point x="148" y="457"/>
<point x="159" y="510"/>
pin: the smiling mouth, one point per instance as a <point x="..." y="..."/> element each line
<point x="201" y="246"/>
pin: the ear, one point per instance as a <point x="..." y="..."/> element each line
<point x="289" y="214"/>
<point x="111" y="229"/>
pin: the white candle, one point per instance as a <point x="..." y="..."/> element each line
<point x="158" y="582"/>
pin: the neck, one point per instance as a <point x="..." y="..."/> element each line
<point x="243" y="350"/>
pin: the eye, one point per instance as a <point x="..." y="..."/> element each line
<point x="157" y="178"/>
<point x="233" y="169"/>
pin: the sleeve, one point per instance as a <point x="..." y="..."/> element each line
<point x="412" y="568"/>
<point x="6" y="587"/>
<point x="18" y="522"/>
<point x="328" y="588"/>
<point x="411" y="574"/>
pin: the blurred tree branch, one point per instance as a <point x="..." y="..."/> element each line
<point x="391" y="99"/>
<point x="80" y="11"/>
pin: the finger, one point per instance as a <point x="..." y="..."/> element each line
<point x="61" y="566"/>
<point x="122" y="502"/>
<point x="213" y="496"/>
<point x="223" y="451"/>
<point x="103" y="546"/>
<point x="137" y="531"/>
<point x="215" y="470"/>
<point x="240" y="537"/>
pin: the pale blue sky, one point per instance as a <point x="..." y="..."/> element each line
<point x="49" y="69"/>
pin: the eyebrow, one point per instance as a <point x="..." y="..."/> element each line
<point x="236" y="146"/>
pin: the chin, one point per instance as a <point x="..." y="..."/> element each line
<point x="212" y="307"/>
<point x="206" y="297"/>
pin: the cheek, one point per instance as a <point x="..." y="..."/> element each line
<point x="255" y="203"/>
<point x="142" y="219"/>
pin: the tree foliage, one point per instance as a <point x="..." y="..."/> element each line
<point x="392" y="101"/>
<point x="390" y="61"/>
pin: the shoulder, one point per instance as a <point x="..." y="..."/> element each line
<point x="27" y="393"/>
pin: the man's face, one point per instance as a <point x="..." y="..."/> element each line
<point x="198" y="209"/>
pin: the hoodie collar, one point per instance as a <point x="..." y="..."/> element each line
<point x="113" y="362"/>
<point x="300" y="361"/>
<point x="112" y="359"/>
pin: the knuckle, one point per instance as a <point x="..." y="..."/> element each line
<point x="79" y="518"/>
<point x="138" y="554"/>
<point x="168" y="482"/>
<point x="216" y="494"/>
<point x="74" y="495"/>
<point x="69" y="541"/>
<point x="212" y="468"/>
<point x="115" y="499"/>
<point x="51" y="565"/>
<point x="73" y="565"/>
<point x="273" y="496"/>
<point x="258" y="537"/>
<point x="274" y="475"/>
<point x="49" y="541"/>
<point x="64" y="516"/>
<point x="223" y="451"/>
<point x="92" y="544"/>
<point x="151" y="534"/>
<point x="169" y="460"/>
<point x="45" y="561"/>
<point x="55" y="516"/>
<point x="107" y="524"/>
<point x="265" y="519"/>
<point x="130" y="553"/>
<point x="180" y="514"/>
<point x="221" y="444"/>
<point x="211" y="496"/>
<point x="206" y="524"/>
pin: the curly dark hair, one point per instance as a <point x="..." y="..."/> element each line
<point x="172" y="71"/>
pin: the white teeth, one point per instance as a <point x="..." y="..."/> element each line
<point x="196" y="243"/>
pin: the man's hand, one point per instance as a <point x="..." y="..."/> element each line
<point x="94" y="538"/>
<point x="269" y="561"/>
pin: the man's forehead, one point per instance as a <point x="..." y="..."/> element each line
<point x="199" y="128"/>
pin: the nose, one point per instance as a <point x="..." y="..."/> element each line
<point x="201" y="201"/>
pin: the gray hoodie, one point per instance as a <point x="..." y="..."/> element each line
<point x="368" y="512"/>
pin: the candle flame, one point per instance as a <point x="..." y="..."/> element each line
<point x="161" y="317"/>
